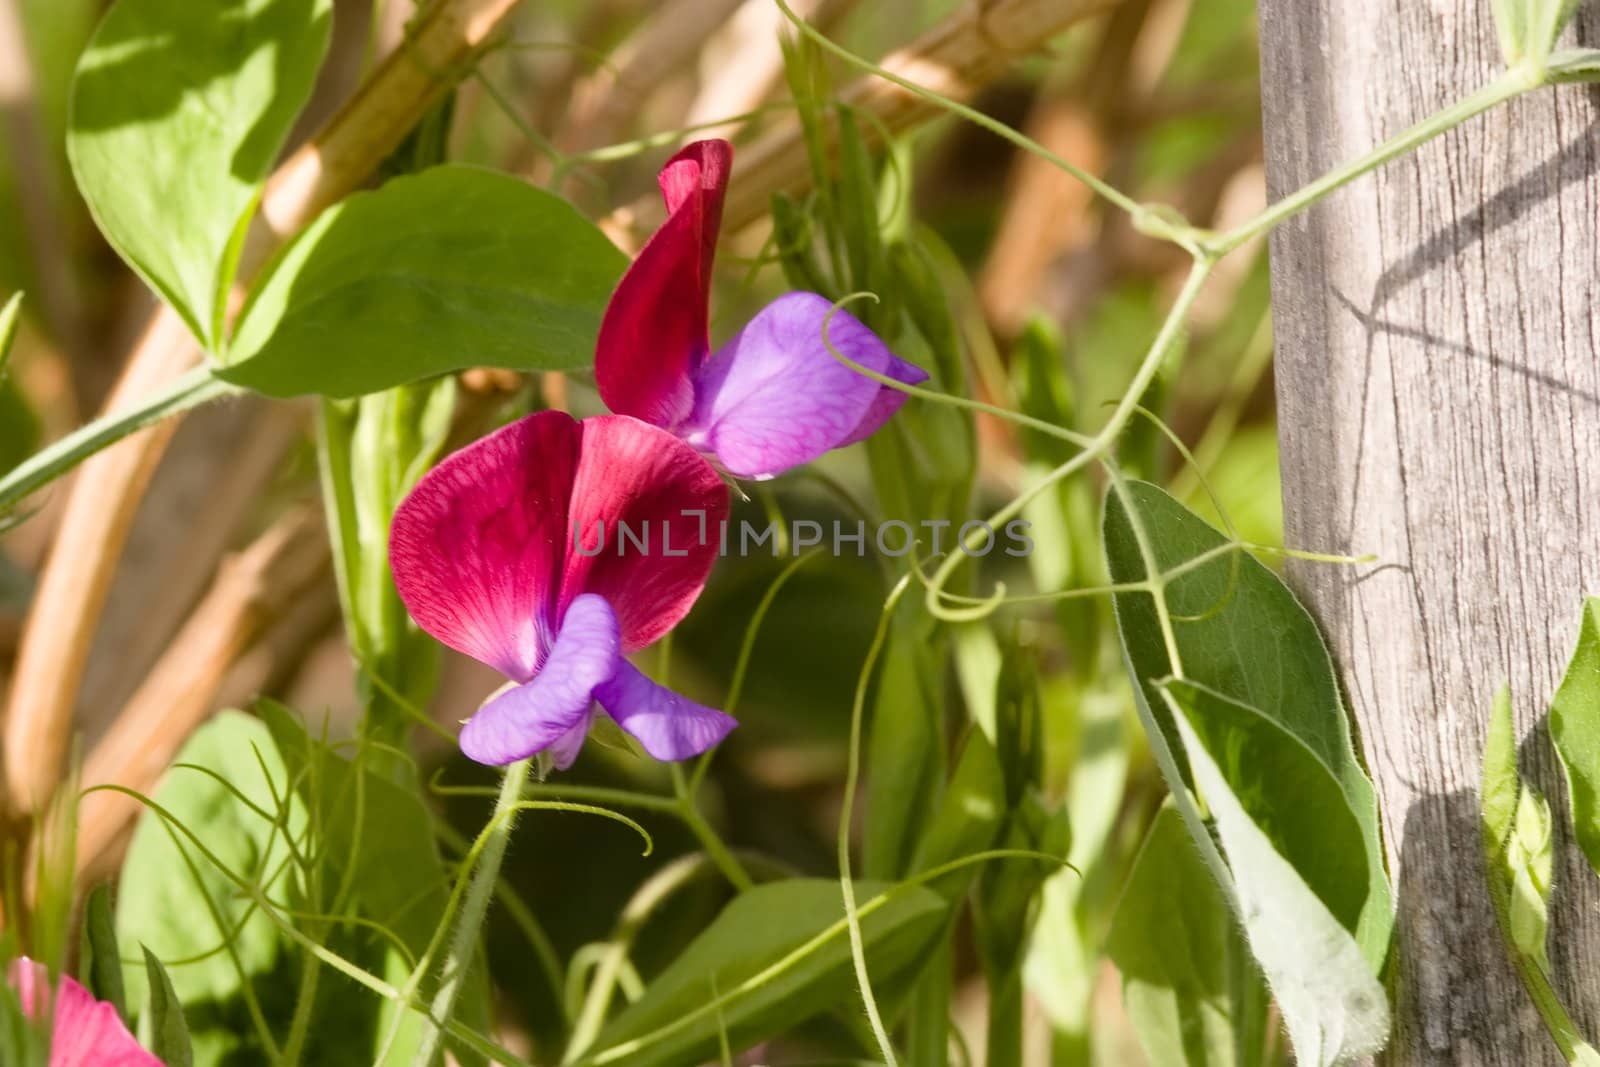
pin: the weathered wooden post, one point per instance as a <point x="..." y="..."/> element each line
<point x="1439" y="403"/>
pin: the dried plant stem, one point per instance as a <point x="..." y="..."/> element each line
<point x="955" y="59"/>
<point x="604" y="101"/>
<point x="251" y="591"/>
<point x="439" y="48"/>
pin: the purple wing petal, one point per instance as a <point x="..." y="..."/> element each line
<point x="476" y="549"/>
<point x="653" y="334"/>
<point x="673" y="505"/>
<point x="545" y="712"/>
<point x="774" y="397"/>
<point x="85" y="1032"/>
<point x="669" y="726"/>
<point x="888" y="401"/>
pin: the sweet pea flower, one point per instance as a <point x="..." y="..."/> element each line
<point x="84" y="1032"/>
<point x="770" y="399"/>
<point x="510" y="552"/>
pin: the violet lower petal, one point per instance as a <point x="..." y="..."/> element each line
<point x="531" y="718"/>
<point x="775" y="397"/>
<point x="669" y="725"/>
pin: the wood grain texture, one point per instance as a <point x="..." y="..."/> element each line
<point x="1439" y="403"/>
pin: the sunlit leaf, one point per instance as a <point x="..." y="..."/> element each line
<point x="1242" y="635"/>
<point x="758" y="929"/>
<point x="179" y="109"/>
<point x="1575" y="730"/>
<point x="174" y="901"/>
<point x="1518" y="853"/>
<point x="1289" y="793"/>
<point x="450" y="268"/>
<point x="1331" y="1002"/>
<point x="1171" y="939"/>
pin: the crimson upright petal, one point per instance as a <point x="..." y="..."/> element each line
<point x="655" y="330"/>
<point x="775" y="396"/>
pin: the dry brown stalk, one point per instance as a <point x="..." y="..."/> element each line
<point x="439" y="48"/>
<point x="742" y="65"/>
<point x="251" y="591"/>
<point x="957" y="58"/>
<point x="604" y="100"/>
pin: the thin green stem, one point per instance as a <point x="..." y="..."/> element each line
<point x="1510" y="84"/>
<point x="858" y="951"/>
<point x="972" y="115"/>
<point x="470" y="921"/>
<point x="614" y="954"/>
<point x="198" y="386"/>
<point x="689" y="812"/>
<point x="1171" y="330"/>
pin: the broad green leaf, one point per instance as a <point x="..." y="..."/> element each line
<point x="676" y="1022"/>
<point x="1289" y="793"/>
<point x="179" y="108"/>
<point x="1171" y="938"/>
<point x="450" y="268"/>
<point x="173" y="900"/>
<point x="169" y="1036"/>
<point x="102" y="965"/>
<point x="1575" y="731"/>
<point x="1241" y="633"/>
<point x="1331" y="1003"/>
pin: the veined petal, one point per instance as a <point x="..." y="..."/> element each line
<point x="85" y="1032"/>
<point x="654" y="333"/>
<point x="774" y="397"/>
<point x="660" y="507"/>
<point x="476" y="549"/>
<point x="545" y="712"/>
<point x="669" y="725"/>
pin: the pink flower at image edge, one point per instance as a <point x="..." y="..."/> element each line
<point x="85" y="1032"/>
<point x="484" y="554"/>
<point x="772" y="398"/>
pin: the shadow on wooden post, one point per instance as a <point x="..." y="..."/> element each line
<point x="1439" y="406"/>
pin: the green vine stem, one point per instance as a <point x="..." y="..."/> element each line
<point x="187" y="391"/>
<point x="470" y="921"/>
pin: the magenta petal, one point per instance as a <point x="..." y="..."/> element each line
<point x="774" y="397"/>
<point x="669" y="725"/>
<point x="654" y="332"/>
<point x="476" y="548"/>
<point x="673" y="506"/>
<point x="85" y="1032"/>
<point x="545" y="712"/>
